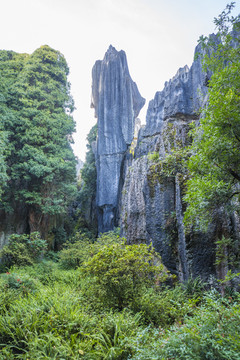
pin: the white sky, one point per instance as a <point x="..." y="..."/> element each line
<point x="158" y="36"/>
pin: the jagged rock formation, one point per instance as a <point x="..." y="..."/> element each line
<point x="151" y="202"/>
<point x="117" y="103"/>
<point x="131" y="191"/>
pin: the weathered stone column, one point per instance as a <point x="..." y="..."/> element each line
<point x="117" y="103"/>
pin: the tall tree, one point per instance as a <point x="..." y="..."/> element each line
<point x="87" y="186"/>
<point x="3" y="167"/>
<point x="215" y="165"/>
<point x="37" y="119"/>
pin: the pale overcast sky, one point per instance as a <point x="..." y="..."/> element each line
<point x="158" y="37"/>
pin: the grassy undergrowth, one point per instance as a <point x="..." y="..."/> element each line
<point x="50" y="312"/>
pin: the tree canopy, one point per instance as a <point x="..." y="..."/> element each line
<point x="215" y="163"/>
<point x="35" y="111"/>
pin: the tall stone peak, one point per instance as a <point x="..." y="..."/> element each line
<point x="182" y="95"/>
<point x="111" y="48"/>
<point x="111" y="51"/>
<point x="117" y="103"/>
<point x="181" y="73"/>
<point x="152" y="206"/>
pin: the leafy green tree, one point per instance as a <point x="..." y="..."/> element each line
<point x="10" y="66"/>
<point x="87" y="186"/>
<point x="3" y="166"/>
<point x="122" y="272"/>
<point x="23" y="249"/>
<point x="88" y="172"/>
<point x="37" y="119"/>
<point x="215" y="163"/>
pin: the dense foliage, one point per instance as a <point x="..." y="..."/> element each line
<point x="87" y="186"/>
<point x="35" y="112"/>
<point x="47" y="312"/>
<point x="121" y="272"/>
<point x="89" y="172"/>
<point x="22" y="250"/>
<point x="3" y="166"/>
<point x="215" y="164"/>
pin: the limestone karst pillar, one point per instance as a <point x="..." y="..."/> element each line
<point x="117" y="103"/>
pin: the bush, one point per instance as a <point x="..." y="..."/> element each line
<point x="23" y="284"/>
<point x="164" y="308"/>
<point x="49" y="273"/>
<point x="211" y="332"/>
<point x="75" y="251"/>
<point x="153" y="156"/>
<point x="15" y="254"/>
<point x="52" y="256"/>
<point x="23" y="249"/>
<point x="121" y="272"/>
<point x="58" y="321"/>
<point x="81" y="247"/>
<point x="194" y="286"/>
<point x="44" y="271"/>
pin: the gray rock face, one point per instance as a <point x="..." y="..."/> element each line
<point x="151" y="204"/>
<point x="152" y="207"/>
<point x="133" y="206"/>
<point x="133" y="191"/>
<point x="175" y="98"/>
<point x="117" y="103"/>
<point x="183" y="95"/>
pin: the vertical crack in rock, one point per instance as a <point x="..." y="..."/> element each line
<point x="117" y="103"/>
<point x="183" y="265"/>
<point x="151" y="204"/>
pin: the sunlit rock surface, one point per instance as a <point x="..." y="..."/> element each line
<point x="117" y="103"/>
<point x="132" y="192"/>
<point x="151" y="205"/>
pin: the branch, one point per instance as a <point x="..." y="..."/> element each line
<point x="234" y="174"/>
<point x="231" y="171"/>
<point x="238" y="139"/>
<point x="235" y="193"/>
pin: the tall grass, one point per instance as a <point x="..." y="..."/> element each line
<point x="58" y="315"/>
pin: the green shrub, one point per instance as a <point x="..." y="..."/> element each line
<point x="108" y="238"/>
<point x="121" y="272"/>
<point x="52" y="256"/>
<point x="81" y="247"/>
<point x="23" y="249"/>
<point x="23" y="284"/>
<point x="15" y="254"/>
<point x="49" y="273"/>
<point x="74" y="253"/>
<point x="164" y="307"/>
<point x="194" y="286"/>
<point x="61" y="320"/>
<point x="153" y="156"/>
<point x="211" y="332"/>
<point x="48" y="325"/>
<point x="44" y="271"/>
